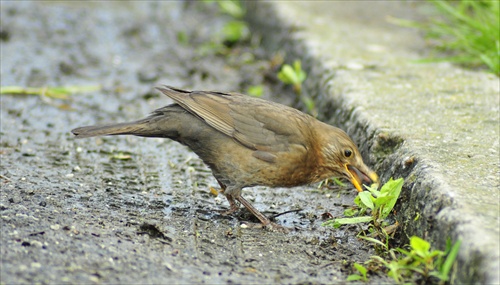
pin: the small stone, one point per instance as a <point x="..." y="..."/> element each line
<point x="36" y="243"/>
<point x="36" y="265"/>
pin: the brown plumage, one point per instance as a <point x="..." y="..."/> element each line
<point x="248" y="141"/>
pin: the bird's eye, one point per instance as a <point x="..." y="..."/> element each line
<point x="347" y="153"/>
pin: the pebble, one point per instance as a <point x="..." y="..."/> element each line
<point x="36" y="265"/>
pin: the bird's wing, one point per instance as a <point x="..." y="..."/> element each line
<point x="261" y="125"/>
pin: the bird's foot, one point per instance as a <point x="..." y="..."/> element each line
<point x="233" y="207"/>
<point x="277" y="228"/>
<point x="227" y="212"/>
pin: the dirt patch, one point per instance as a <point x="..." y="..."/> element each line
<point x="73" y="211"/>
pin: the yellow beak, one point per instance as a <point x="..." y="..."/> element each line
<point x="357" y="177"/>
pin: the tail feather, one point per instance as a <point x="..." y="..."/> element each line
<point x="133" y="128"/>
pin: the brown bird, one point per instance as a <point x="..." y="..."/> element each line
<point x="248" y="141"/>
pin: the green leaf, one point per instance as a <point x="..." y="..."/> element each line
<point x="360" y="268"/>
<point x="336" y="223"/>
<point x="354" y="277"/>
<point x="255" y="90"/>
<point x="287" y="75"/>
<point x="338" y="182"/>
<point x="382" y="200"/>
<point x="330" y="223"/>
<point x="420" y="246"/>
<point x="355" y="220"/>
<point x="301" y="75"/>
<point x="292" y="75"/>
<point x="367" y="199"/>
<point x="232" y="8"/>
<point x="376" y="241"/>
<point x="391" y="188"/>
<point x="373" y="190"/>
<point x="405" y="252"/>
<point x="450" y="260"/>
<point x="350" y="212"/>
<point x="235" y="31"/>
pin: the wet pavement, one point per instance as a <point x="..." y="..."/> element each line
<point x="136" y="210"/>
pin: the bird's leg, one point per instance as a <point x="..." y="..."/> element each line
<point x="233" y="207"/>
<point x="263" y="219"/>
<point x="235" y="194"/>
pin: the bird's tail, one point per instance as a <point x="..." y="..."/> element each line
<point x="138" y="128"/>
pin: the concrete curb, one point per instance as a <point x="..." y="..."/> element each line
<point x="350" y="52"/>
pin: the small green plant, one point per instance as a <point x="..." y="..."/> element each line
<point x="379" y="203"/>
<point x="293" y="75"/>
<point x="255" y="90"/>
<point x="423" y="261"/>
<point x="419" y="260"/>
<point x="362" y="276"/>
<point x="468" y="31"/>
<point x="236" y="29"/>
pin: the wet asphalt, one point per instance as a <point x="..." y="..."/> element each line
<point x="137" y="210"/>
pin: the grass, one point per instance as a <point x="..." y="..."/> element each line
<point x="467" y="33"/>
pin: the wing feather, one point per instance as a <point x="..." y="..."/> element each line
<point x="251" y="121"/>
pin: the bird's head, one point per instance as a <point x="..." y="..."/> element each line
<point x="341" y="158"/>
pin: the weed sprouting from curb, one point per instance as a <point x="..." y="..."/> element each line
<point x="419" y="262"/>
